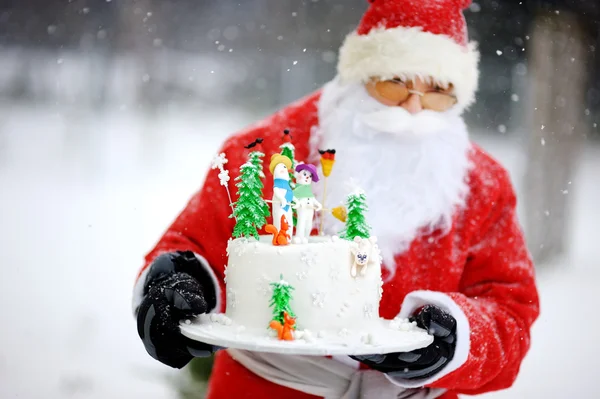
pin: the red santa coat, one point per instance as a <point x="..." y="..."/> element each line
<point x="480" y="270"/>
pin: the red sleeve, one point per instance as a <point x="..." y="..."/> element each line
<point x="498" y="295"/>
<point x="495" y="307"/>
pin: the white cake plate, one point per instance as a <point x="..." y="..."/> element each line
<point x="383" y="336"/>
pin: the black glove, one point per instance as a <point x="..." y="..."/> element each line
<point x="177" y="287"/>
<point x="424" y="362"/>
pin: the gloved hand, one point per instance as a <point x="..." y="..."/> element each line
<point x="424" y="362"/>
<point x="171" y="295"/>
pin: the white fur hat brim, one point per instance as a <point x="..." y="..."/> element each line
<point x="408" y="53"/>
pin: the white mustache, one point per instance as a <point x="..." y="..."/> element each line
<point x="398" y="121"/>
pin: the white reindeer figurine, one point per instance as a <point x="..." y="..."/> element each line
<point x="364" y="252"/>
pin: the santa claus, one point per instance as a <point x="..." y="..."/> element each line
<point x="442" y="209"/>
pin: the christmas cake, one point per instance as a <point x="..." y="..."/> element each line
<point x="330" y="285"/>
<point x="293" y="287"/>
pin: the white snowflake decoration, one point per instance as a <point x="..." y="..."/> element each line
<point x="219" y="161"/>
<point x="344" y="309"/>
<point x="264" y="285"/>
<point x="224" y="177"/>
<point x="309" y="258"/>
<point x="318" y="299"/>
<point x="334" y="272"/>
<point x="302" y="275"/>
<point x="369" y="309"/>
<point x="231" y="298"/>
<point x="239" y="247"/>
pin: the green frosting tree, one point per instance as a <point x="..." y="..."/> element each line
<point x="288" y="150"/>
<point x="280" y="300"/>
<point x="356" y="225"/>
<point x="256" y="159"/>
<point x="250" y="210"/>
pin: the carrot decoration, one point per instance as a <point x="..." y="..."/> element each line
<point x="327" y="162"/>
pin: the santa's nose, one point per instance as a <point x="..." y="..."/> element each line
<point x="412" y="104"/>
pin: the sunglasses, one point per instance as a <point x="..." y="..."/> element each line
<point x="398" y="91"/>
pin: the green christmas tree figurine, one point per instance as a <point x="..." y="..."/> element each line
<point x="256" y="159"/>
<point x="356" y="225"/>
<point x="280" y="300"/>
<point x="288" y="149"/>
<point x="250" y="210"/>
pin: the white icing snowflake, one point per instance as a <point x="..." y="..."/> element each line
<point x="239" y="248"/>
<point x="302" y="275"/>
<point x="343" y="332"/>
<point x="309" y="258"/>
<point x="334" y="272"/>
<point x="224" y="177"/>
<point x="264" y="285"/>
<point x="219" y="161"/>
<point x="318" y="299"/>
<point x="231" y="298"/>
<point x="369" y="309"/>
<point x="342" y="311"/>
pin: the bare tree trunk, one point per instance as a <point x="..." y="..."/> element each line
<point x="558" y="64"/>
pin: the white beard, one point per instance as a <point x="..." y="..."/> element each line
<point x="412" y="168"/>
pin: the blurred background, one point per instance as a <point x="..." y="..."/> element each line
<point x="110" y="111"/>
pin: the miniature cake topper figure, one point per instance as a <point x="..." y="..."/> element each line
<point x="289" y="150"/>
<point x="306" y="203"/>
<point x="251" y="210"/>
<point x="219" y="163"/>
<point x="356" y="224"/>
<point x="364" y="253"/>
<point x="280" y="236"/>
<point x="327" y="162"/>
<point x="282" y="191"/>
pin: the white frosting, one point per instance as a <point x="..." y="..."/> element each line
<point x="326" y="298"/>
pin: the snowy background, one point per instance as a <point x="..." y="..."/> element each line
<point x="98" y="154"/>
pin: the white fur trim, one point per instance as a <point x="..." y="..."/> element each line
<point x="417" y="299"/>
<point x="410" y="53"/>
<point x="138" y="289"/>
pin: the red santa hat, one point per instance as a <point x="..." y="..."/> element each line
<point x="413" y="38"/>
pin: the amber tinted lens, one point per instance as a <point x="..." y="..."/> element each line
<point x="393" y="91"/>
<point x="438" y="101"/>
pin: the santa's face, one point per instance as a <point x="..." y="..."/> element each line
<point x="412" y="166"/>
<point x="281" y="172"/>
<point x="412" y="95"/>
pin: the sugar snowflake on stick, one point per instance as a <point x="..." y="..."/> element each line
<point x="219" y="161"/>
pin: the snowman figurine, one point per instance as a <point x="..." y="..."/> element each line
<point x="305" y="202"/>
<point x="282" y="191"/>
